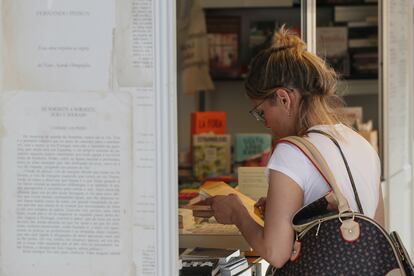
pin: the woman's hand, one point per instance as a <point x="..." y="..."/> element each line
<point x="226" y="208"/>
<point x="261" y="206"/>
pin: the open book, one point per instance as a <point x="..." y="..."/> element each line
<point x="212" y="188"/>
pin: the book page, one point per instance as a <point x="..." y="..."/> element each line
<point x="66" y="184"/>
<point x="134" y="46"/>
<point x="1" y="50"/>
<point x="252" y="181"/>
<point x="144" y="178"/>
<point x="61" y="45"/>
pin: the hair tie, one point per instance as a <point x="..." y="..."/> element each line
<point x="281" y="48"/>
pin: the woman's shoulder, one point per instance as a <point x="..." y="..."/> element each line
<point x="287" y="155"/>
<point x="342" y="133"/>
<point x="351" y="142"/>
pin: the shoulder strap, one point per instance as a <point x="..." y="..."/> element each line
<point x="312" y="153"/>
<point x="346" y="165"/>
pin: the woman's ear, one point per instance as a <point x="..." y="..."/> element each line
<point x="283" y="97"/>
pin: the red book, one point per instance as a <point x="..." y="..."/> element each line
<point x="208" y="122"/>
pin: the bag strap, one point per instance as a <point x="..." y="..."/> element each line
<point x="358" y="202"/>
<point x="320" y="164"/>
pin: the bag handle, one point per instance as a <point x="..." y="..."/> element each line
<point x="320" y="164"/>
<point x="346" y="165"/>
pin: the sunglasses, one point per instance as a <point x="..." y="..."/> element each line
<point x="259" y="114"/>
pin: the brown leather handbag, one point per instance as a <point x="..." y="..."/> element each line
<point x="331" y="239"/>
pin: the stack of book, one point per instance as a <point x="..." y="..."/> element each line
<point x="202" y="267"/>
<point x="226" y="261"/>
<point x="234" y="266"/>
<point x="199" y="253"/>
<point x="187" y="191"/>
<point x="211" y="147"/>
<point x="362" y="24"/>
<point x="185" y="218"/>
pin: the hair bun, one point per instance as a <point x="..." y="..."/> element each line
<point x="285" y="39"/>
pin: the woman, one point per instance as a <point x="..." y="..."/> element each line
<point x="293" y="91"/>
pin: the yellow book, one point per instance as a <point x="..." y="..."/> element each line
<point x="212" y="188"/>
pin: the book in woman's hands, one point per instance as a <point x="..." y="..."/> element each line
<point x="212" y="188"/>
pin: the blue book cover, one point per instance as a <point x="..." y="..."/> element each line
<point x="252" y="149"/>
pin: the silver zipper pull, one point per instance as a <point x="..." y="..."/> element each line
<point x="319" y="226"/>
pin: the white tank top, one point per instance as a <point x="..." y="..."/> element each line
<point x="362" y="159"/>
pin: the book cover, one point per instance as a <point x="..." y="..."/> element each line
<point x="252" y="149"/>
<point x="223" y="33"/>
<point x="211" y="155"/>
<point x="208" y="122"/>
<point x="211" y="188"/>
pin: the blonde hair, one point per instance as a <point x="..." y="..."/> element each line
<point x="287" y="63"/>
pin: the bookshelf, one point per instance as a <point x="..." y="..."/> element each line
<point x="357" y="21"/>
<point x="228" y="95"/>
<point x="358" y="88"/>
<point x="252" y="28"/>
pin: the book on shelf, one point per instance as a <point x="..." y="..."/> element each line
<point x="200" y="253"/>
<point x="355" y="13"/>
<point x="252" y="149"/>
<point x="362" y="24"/>
<point x="211" y="155"/>
<point x="365" y="63"/>
<point x="208" y="122"/>
<point x="223" y="34"/>
<point x="332" y="45"/>
<point x="210" y="188"/>
<point x="366" y="56"/>
<point x="363" y="42"/>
